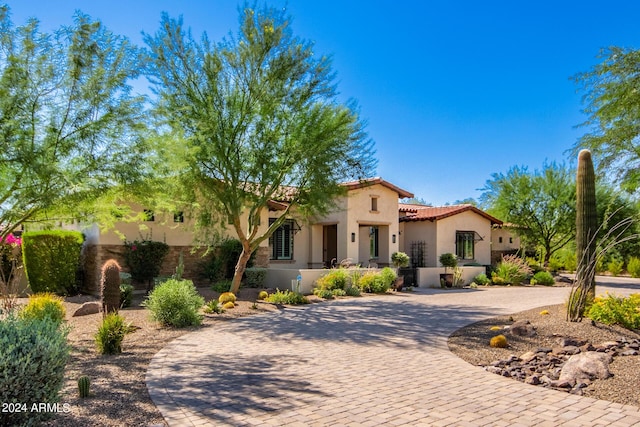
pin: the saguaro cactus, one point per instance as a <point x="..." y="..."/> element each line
<point x="110" y="286"/>
<point x="586" y="228"/>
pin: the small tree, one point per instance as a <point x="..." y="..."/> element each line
<point x="400" y="259"/>
<point x="144" y="259"/>
<point x="448" y="260"/>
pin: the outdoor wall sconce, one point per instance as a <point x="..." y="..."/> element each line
<point x="393" y="238"/>
<point x="353" y="237"/>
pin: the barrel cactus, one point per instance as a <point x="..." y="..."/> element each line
<point x="83" y="386"/>
<point x="110" y="286"/>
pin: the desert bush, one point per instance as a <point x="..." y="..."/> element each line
<point x="175" y="303"/>
<point x="564" y="259"/>
<point x="615" y="266"/>
<point x="615" y="310"/>
<point x="338" y="292"/>
<point x="633" y="267"/>
<point x="323" y="293"/>
<point x="213" y="306"/>
<point x="44" y="306"/>
<point x="111" y="333"/>
<point x="255" y="276"/>
<point x="352" y="291"/>
<point x="126" y="295"/>
<point x="499" y="341"/>
<point x="388" y="276"/>
<point x="221" y="286"/>
<point x="224" y="258"/>
<point x="226" y="297"/>
<point x="52" y="260"/>
<point x="337" y="278"/>
<point x="372" y="282"/>
<point x="543" y="278"/>
<point x="287" y="297"/>
<point x="144" y="259"/>
<point x="511" y="270"/>
<point x="33" y="355"/>
<point x="481" y="279"/>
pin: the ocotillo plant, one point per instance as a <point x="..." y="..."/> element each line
<point x="586" y="228"/>
<point x="110" y="286"/>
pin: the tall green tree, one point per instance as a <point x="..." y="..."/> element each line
<point x="255" y="118"/>
<point x="540" y="205"/>
<point x="69" y="125"/>
<point x="612" y="102"/>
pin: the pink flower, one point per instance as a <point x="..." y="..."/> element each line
<point x="13" y="240"/>
<point x="133" y="248"/>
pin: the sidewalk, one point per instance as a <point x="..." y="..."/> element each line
<point x="362" y="362"/>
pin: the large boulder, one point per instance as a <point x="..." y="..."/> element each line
<point x="589" y="365"/>
<point x="87" y="308"/>
<point x="522" y="328"/>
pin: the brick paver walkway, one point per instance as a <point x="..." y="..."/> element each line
<point x="361" y="362"/>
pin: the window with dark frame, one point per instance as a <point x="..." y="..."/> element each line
<point x="374" y="204"/>
<point x="281" y="241"/>
<point x="373" y="242"/>
<point x="465" y="242"/>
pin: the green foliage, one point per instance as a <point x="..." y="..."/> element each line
<point x="110" y="286"/>
<point x="255" y="277"/>
<point x="578" y="302"/>
<point x="352" y="291"/>
<point x="70" y="124"/>
<point x="223" y="261"/>
<point x="84" y="385"/>
<point x="374" y="282"/>
<point x="633" y="267"/>
<point x="144" y="259"/>
<point x="222" y="286"/>
<point x="111" y="333"/>
<point x="614" y="310"/>
<point x="213" y="306"/>
<point x="512" y="270"/>
<point x="44" y="306"/>
<point x="175" y="303"/>
<point x="563" y="259"/>
<point x="541" y="203"/>
<point x="388" y="276"/>
<point x="337" y="278"/>
<point x="448" y="260"/>
<point x="543" y="278"/>
<point x="226" y="297"/>
<point x="615" y="266"/>
<point x="33" y="355"/>
<point x="282" y="126"/>
<point x="612" y="104"/>
<point x="499" y="341"/>
<point x="323" y="293"/>
<point x="126" y="295"/>
<point x="400" y="259"/>
<point x="287" y="297"/>
<point x="481" y="279"/>
<point x="52" y="260"/>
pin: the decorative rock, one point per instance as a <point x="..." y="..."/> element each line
<point x="87" y="308"/>
<point x="589" y="365"/>
<point x="522" y="328"/>
<point x="570" y="341"/>
<point x="628" y="353"/>
<point x="570" y="349"/>
<point x="528" y="356"/>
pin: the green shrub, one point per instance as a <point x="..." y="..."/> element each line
<point x="222" y="263"/>
<point x="543" y="278"/>
<point x="338" y="292"/>
<point x="33" y="356"/>
<point x="633" y="266"/>
<point x="111" y="334"/>
<point x="255" y="276"/>
<point x="372" y="282"/>
<point x="144" y="259"/>
<point x="227" y="297"/>
<point x="126" y="295"/>
<point x="352" y="291"/>
<point x="175" y="303"/>
<point x="52" y="260"/>
<point x="44" y="306"/>
<point x="337" y="278"/>
<point x="388" y="276"/>
<point x="213" y="306"/>
<point x="400" y="259"/>
<point x="287" y="297"/>
<point x="481" y="280"/>
<point x="615" y="266"/>
<point x="564" y="259"/>
<point x="511" y="270"/>
<point x="221" y="286"/>
<point x="614" y="310"/>
<point x="323" y="293"/>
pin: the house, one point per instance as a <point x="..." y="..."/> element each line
<point x="426" y="232"/>
<point x="363" y="229"/>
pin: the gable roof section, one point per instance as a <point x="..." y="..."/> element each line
<point x="435" y="213"/>
<point x="354" y="185"/>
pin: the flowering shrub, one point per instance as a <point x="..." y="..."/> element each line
<point x="613" y="310"/>
<point x="144" y="259"/>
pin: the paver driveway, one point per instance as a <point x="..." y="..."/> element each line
<point x="362" y="362"/>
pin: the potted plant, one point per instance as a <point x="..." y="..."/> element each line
<point x="399" y="260"/>
<point x="447" y="260"/>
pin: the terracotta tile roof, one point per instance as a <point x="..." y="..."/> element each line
<point x="434" y="213"/>
<point x="354" y="185"/>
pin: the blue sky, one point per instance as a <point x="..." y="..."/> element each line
<point x="453" y="91"/>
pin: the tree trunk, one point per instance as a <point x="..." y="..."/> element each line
<point x="240" y="267"/>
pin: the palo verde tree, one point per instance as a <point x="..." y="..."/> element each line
<point x="68" y="121"/>
<point x="613" y="105"/>
<point x="540" y="205"/>
<point x="255" y="118"/>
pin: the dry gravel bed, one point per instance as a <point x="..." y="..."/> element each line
<point x="471" y="344"/>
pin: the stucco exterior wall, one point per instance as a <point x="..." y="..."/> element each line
<point x="504" y="240"/>
<point x="465" y="221"/>
<point x="422" y="231"/>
